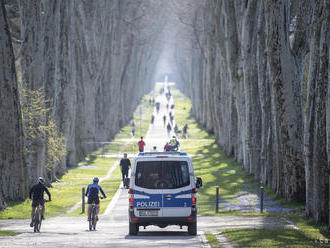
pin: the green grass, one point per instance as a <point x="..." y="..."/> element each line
<point x="212" y="240"/>
<point x="8" y="233"/>
<point x="67" y="192"/>
<point x="271" y="238"/>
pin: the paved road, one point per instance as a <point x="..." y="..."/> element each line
<point x="112" y="229"/>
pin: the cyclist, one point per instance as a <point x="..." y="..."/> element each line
<point x="125" y="163"/>
<point x="93" y="196"/>
<point x="37" y="196"/>
<point x="174" y="143"/>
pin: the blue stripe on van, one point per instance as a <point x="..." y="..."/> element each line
<point x="155" y="200"/>
<point x="177" y="202"/>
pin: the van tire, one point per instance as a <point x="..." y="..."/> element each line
<point x="133" y="229"/>
<point x="192" y="229"/>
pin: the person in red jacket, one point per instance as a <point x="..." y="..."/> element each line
<point x="141" y="145"/>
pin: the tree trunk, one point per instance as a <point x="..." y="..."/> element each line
<point x="13" y="182"/>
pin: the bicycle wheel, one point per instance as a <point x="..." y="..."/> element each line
<point x="37" y="220"/>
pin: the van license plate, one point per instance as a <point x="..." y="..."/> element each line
<point x="148" y="212"/>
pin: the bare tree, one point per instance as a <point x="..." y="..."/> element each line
<point x="13" y="183"/>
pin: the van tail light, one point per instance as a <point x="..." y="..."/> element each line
<point x="193" y="199"/>
<point x="131" y="199"/>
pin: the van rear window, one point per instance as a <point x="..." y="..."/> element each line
<point x="162" y="174"/>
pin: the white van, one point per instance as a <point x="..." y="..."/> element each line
<point x="162" y="191"/>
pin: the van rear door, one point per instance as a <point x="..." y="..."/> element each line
<point x="148" y="199"/>
<point x="177" y="197"/>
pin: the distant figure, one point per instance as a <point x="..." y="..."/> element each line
<point x="171" y="119"/>
<point x="157" y="106"/>
<point x="176" y="129"/>
<point x="152" y="119"/>
<point x="167" y="106"/>
<point x="172" y="106"/>
<point x="167" y="147"/>
<point x="141" y="145"/>
<point x="154" y="148"/>
<point x="174" y="143"/>
<point x="125" y="163"/>
<point x="169" y="128"/>
<point x="164" y="119"/>
<point x="184" y="131"/>
<point x="133" y="128"/>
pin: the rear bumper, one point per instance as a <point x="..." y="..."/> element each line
<point x="145" y="221"/>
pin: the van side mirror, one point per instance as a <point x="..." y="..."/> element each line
<point x="199" y="182"/>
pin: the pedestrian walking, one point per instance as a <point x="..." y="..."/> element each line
<point x="133" y="128"/>
<point x="184" y="131"/>
<point x="169" y="128"/>
<point x="164" y="119"/>
<point x="141" y="145"/>
<point x="125" y="163"/>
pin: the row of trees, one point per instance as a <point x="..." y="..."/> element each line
<point x="258" y="76"/>
<point x="83" y="67"/>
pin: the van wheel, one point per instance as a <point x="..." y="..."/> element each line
<point x="192" y="229"/>
<point x="133" y="229"/>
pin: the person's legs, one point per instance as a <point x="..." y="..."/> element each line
<point x="97" y="208"/>
<point x="33" y="209"/>
<point x="89" y="211"/>
<point x="32" y="212"/>
<point x="123" y="175"/>
<point x="97" y="211"/>
<point x="43" y="211"/>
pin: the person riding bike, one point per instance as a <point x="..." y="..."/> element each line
<point x="93" y="196"/>
<point x="37" y="196"/>
<point x="174" y="143"/>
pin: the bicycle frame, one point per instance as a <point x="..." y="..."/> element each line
<point x="92" y="219"/>
<point x="37" y="219"/>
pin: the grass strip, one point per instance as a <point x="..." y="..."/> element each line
<point x="272" y="238"/>
<point x="8" y="233"/>
<point x="211" y="238"/>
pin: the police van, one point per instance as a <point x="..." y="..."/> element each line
<point x="162" y="191"/>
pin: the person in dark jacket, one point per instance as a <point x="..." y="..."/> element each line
<point x="37" y="196"/>
<point x="92" y="193"/>
<point x="125" y="163"/>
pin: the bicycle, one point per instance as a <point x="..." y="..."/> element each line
<point x="93" y="218"/>
<point x="37" y="219"/>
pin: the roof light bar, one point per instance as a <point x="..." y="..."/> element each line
<point x="162" y="153"/>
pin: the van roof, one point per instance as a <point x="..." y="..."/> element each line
<point x="155" y="154"/>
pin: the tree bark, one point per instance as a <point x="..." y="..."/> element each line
<point x="13" y="182"/>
